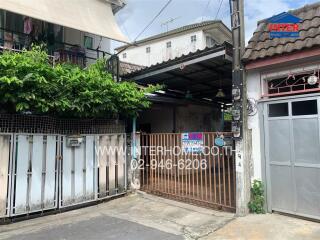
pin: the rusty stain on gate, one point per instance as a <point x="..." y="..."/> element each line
<point x="203" y="178"/>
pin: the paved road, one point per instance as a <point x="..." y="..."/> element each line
<point x="99" y="228"/>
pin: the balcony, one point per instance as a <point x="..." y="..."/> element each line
<point x="60" y="52"/>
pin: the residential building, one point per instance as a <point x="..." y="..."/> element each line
<point x="284" y="96"/>
<point x="175" y="43"/>
<point x="66" y="39"/>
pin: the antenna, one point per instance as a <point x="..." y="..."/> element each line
<point x="166" y="23"/>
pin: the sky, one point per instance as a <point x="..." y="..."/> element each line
<point x="138" y="13"/>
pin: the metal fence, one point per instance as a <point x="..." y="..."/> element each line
<point x="40" y="172"/>
<point x="205" y="177"/>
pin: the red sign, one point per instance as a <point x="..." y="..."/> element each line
<point x="283" y="27"/>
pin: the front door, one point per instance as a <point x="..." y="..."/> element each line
<point x="293" y="156"/>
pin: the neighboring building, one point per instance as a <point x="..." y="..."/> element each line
<point x="175" y="43"/>
<point x="284" y="92"/>
<point x="66" y="41"/>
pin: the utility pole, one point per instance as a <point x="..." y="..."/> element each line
<point x="240" y="119"/>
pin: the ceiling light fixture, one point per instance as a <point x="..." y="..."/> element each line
<point x="220" y="94"/>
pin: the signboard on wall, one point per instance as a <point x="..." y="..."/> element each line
<point x="192" y="142"/>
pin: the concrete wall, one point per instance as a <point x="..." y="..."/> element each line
<point x="188" y="118"/>
<point x="254" y="92"/>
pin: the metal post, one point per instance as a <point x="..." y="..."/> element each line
<point x="134" y="142"/>
<point x="222" y="118"/>
<point x="242" y="143"/>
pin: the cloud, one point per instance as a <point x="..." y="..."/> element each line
<point x="137" y="13"/>
<point x="256" y="10"/>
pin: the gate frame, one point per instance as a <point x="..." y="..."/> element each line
<point x="9" y="175"/>
<point x="60" y="173"/>
<point x="126" y="159"/>
<point x="12" y="178"/>
<point x="263" y="122"/>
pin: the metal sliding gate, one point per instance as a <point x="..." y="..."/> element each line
<point x="205" y="177"/>
<point x="40" y="172"/>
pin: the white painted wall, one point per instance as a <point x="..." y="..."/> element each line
<point x="254" y="92"/>
<point x="180" y="44"/>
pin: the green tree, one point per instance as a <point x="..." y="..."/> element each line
<point x="29" y="83"/>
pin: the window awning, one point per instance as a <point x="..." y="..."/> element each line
<point x="92" y="16"/>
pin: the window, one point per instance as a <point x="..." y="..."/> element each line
<point x="168" y="44"/>
<point x="88" y="42"/>
<point x="304" y="108"/>
<point x="148" y="49"/>
<point x="124" y="55"/>
<point x="278" y="110"/>
<point x="193" y="38"/>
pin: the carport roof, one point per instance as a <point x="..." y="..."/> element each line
<point x="199" y="74"/>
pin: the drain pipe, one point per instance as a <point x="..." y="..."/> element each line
<point x="134" y="162"/>
<point x="134" y="141"/>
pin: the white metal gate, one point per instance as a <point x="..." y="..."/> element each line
<point x="112" y="165"/>
<point x="78" y="172"/>
<point x="34" y="178"/>
<point x="41" y="172"/>
<point x="292" y="145"/>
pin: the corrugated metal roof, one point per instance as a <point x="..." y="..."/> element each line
<point x="262" y="46"/>
<point x="191" y="55"/>
<point x="179" y="30"/>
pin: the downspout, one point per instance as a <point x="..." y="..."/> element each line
<point x="134" y="141"/>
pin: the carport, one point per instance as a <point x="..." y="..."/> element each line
<point x="189" y="114"/>
<point x="197" y="88"/>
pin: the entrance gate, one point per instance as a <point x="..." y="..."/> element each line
<point x="203" y="177"/>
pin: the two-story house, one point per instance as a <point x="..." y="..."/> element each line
<point x="175" y="43"/>
<point x="73" y="31"/>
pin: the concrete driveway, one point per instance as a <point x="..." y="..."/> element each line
<point x="137" y="216"/>
<point x="143" y="217"/>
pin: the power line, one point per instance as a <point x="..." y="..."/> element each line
<point x="204" y="10"/>
<point x="218" y="10"/>
<point x="151" y="22"/>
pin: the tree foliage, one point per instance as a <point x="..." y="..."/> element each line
<point x="29" y="83"/>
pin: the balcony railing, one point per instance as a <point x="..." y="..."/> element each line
<point x="58" y="51"/>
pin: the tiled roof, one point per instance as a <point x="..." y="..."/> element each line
<point x="127" y="68"/>
<point x="179" y="30"/>
<point x="262" y="46"/>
